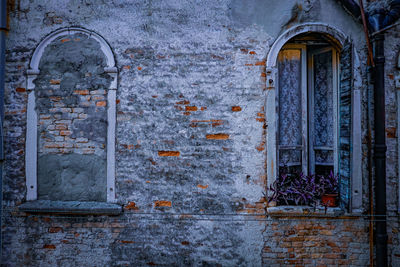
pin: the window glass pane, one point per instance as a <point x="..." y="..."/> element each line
<point x="290" y="128"/>
<point x="290" y="97"/>
<point x="324" y="160"/>
<point x="289" y="161"/>
<point x="323" y="100"/>
<point x="323" y="128"/>
<point x="289" y="157"/>
<point x="323" y="157"/>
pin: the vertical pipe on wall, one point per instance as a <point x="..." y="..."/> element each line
<point x="380" y="152"/>
<point x="370" y="167"/>
<point x="369" y="127"/>
<point x="3" y="30"/>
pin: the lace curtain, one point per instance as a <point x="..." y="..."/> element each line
<point x="323" y="132"/>
<point x="290" y="128"/>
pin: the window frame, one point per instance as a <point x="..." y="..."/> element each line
<point x="307" y="104"/>
<point x="304" y="106"/>
<point x="311" y="105"/>
<point x="339" y="39"/>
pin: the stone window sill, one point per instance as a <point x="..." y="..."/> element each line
<point x="306" y="211"/>
<point x="71" y="207"/>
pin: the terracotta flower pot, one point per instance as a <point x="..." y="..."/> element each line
<point x="329" y="200"/>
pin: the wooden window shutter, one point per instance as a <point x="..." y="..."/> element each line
<point x="345" y="124"/>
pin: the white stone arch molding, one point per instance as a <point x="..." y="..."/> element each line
<point x="32" y="121"/>
<point x="339" y="38"/>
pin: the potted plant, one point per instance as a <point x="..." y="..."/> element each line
<point x="295" y="189"/>
<point x="300" y="189"/>
<point x="329" y="190"/>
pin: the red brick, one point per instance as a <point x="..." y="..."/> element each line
<point x="61" y="127"/>
<point x="101" y="103"/>
<point x="131" y="206"/>
<point x="162" y="203"/>
<point x="55" y="229"/>
<point x="127" y="242"/>
<point x="219" y="136"/>
<point x="183" y="102"/>
<point x="236" y="108"/>
<point x="64" y="133"/>
<point x="81" y="92"/>
<point x="191" y="108"/>
<point x="391" y="132"/>
<point x="55" y="81"/>
<point x="169" y="153"/>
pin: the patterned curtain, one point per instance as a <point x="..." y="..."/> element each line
<point x="289" y="123"/>
<point x="323" y="130"/>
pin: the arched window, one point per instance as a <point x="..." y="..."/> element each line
<point x="70" y="142"/>
<point x="313" y="108"/>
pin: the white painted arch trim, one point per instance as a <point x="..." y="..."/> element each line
<point x="338" y="37"/>
<point x="32" y="121"/>
<point x="38" y="53"/>
<point x="272" y="57"/>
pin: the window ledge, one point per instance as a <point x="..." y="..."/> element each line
<point x="71" y="207"/>
<point x="306" y="211"/>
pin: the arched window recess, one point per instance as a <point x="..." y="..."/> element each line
<point x="313" y="108"/>
<point x="71" y="143"/>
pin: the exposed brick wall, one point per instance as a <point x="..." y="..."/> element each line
<point x="311" y="241"/>
<point x="57" y="124"/>
<point x="71" y="97"/>
<point x="132" y="239"/>
<point x="15" y="105"/>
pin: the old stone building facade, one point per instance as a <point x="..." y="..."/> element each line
<point x="141" y="133"/>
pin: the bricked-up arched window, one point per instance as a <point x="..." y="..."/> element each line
<point x="70" y="144"/>
<point x="313" y="108"/>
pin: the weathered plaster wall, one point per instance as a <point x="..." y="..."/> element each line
<point x="392" y="50"/>
<point x="294" y="12"/>
<point x="190" y="134"/>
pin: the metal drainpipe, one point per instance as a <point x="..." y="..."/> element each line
<point x="380" y="152"/>
<point x="378" y="22"/>
<point x="3" y="31"/>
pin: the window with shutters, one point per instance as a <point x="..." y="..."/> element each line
<point x="307" y="103"/>
<point x="313" y="111"/>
